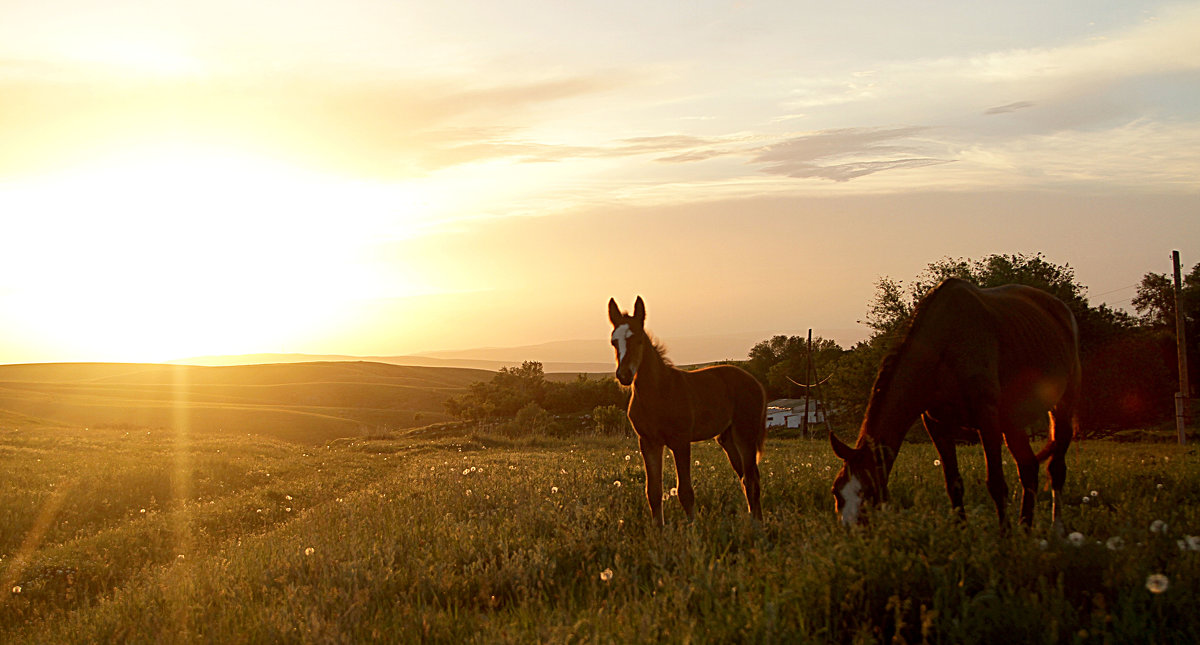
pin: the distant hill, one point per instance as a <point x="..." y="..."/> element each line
<point x="303" y="402"/>
<point x="464" y="362"/>
<point x="592" y="356"/>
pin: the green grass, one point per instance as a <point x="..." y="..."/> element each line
<point x="448" y="538"/>
<point x="299" y="402"/>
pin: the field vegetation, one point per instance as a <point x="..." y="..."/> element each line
<point x="300" y="402"/>
<point x="436" y="535"/>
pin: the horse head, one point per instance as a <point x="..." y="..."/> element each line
<point x="860" y="483"/>
<point x="628" y="338"/>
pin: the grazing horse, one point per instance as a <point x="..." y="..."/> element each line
<point x="989" y="359"/>
<point x="673" y="408"/>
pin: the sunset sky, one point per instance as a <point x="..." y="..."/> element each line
<point x="377" y="177"/>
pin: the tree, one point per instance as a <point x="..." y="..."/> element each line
<point x="1155" y="303"/>
<point x="1114" y="350"/>
<point x="780" y="360"/>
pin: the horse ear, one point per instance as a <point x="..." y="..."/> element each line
<point x="639" y="310"/>
<point x="840" y="449"/>
<point x="614" y="312"/>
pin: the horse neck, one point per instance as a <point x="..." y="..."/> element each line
<point x="893" y="408"/>
<point x="653" y="372"/>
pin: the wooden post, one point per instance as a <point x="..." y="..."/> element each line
<point x="1181" y="398"/>
<point x="808" y="382"/>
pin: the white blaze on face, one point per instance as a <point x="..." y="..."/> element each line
<point x="851" y="501"/>
<point x="620" y="337"/>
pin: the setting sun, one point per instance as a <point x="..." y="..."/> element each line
<point x="176" y="251"/>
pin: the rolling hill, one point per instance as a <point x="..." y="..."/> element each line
<point x="300" y="402"/>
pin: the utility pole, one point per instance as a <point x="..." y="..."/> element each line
<point x="1182" y="407"/>
<point x="808" y="381"/>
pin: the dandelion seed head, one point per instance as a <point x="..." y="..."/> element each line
<point x="1076" y="538"/>
<point x="1158" y="526"/>
<point x="1043" y="545"/>
<point x="1157" y="583"/>
<point x="1115" y="543"/>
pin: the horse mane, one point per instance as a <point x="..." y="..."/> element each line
<point x="907" y="331"/>
<point x="660" y="349"/>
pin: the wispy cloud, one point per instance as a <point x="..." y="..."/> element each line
<point x="842" y="155"/>
<point x="1010" y="107"/>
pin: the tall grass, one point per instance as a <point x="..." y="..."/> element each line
<point x="479" y="539"/>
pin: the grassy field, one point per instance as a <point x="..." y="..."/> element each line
<point x="300" y="402"/>
<point x="111" y="535"/>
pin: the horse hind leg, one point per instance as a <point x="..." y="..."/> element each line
<point x="725" y="440"/>
<point x="683" y="474"/>
<point x="1062" y="427"/>
<point x="746" y="440"/>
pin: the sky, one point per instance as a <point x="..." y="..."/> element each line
<point x="371" y="177"/>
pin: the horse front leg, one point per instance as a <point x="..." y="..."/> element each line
<point x="942" y="436"/>
<point x="991" y="438"/>
<point x="652" y="456"/>
<point x="683" y="476"/>
<point x="1027" y="471"/>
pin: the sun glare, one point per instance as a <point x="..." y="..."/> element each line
<point x="171" y="252"/>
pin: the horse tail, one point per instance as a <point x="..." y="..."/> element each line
<point x="762" y="434"/>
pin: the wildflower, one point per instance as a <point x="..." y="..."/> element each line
<point x="697" y="462"/>
<point x="309" y="551"/>
<point x="562" y="471"/>
<point x="1193" y="542"/>
<point x="288" y="509"/>
<point x="1095" y="493"/>
<point x="16" y="588"/>
<point x="1158" y="526"/>
<point x="466" y="471"/>
<point x="1086" y="499"/>
<point x="142" y="511"/>
<point x="937" y="462"/>
<point x="1115" y="543"/>
<point x="626" y="457"/>
<point x="1157" y="583"/>
<point x="288" y="497"/>
<point x="472" y="469"/>
<point x="468" y="492"/>
<point x="180" y="557"/>
<point x="1159" y="487"/>
<point x="554" y="489"/>
<point x="674" y="492"/>
<point x="617" y="483"/>
<point x="606" y="575"/>
<point x="1076" y="538"/>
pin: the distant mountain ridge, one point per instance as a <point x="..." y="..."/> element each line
<point x="564" y="356"/>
